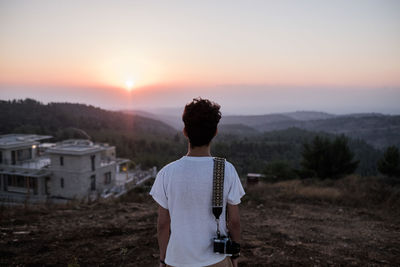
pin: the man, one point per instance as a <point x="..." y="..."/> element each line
<point x="183" y="189"/>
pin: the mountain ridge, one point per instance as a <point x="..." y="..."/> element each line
<point x="377" y="129"/>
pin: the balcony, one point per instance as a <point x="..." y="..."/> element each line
<point x="37" y="163"/>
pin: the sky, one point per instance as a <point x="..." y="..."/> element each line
<point x="252" y="57"/>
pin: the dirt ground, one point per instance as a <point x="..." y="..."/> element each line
<point x="277" y="230"/>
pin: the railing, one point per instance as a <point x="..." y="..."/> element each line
<point x="106" y="162"/>
<point x="37" y="163"/>
<point x="20" y="190"/>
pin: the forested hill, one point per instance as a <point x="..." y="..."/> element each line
<point x="153" y="143"/>
<point x="376" y="129"/>
<point x="66" y="120"/>
<point x="145" y="141"/>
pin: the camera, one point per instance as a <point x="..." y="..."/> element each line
<point x="224" y="245"/>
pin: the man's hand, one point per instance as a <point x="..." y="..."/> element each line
<point x="234" y="262"/>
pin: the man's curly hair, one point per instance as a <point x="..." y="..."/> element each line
<point x="201" y="117"/>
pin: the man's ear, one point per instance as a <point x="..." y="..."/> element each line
<point x="185" y="132"/>
<point x="216" y="132"/>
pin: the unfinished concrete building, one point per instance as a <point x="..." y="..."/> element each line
<point x="72" y="169"/>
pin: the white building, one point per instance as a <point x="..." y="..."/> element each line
<point x="72" y="169"/>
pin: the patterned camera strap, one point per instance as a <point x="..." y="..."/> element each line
<point x="218" y="187"/>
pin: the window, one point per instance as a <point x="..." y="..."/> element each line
<point x="46" y="186"/>
<point x="1" y="156"/>
<point x="21" y="181"/>
<point x="93" y="182"/>
<point x="13" y="158"/>
<point x="62" y="182"/>
<point x="92" y="158"/>
<point x="107" y="178"/>
<point x="16" y="181"/>
<point x="24" y="154"/>
<point x="61" y="161"/>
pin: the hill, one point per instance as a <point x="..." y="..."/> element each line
<point x="174" y="121"/>
<point x="251" y="153"/>
<point x="376" y="129"/>
<point x="237" y="130"/>
<point x="135" y="137"/>
<point x="309" y="115"/>
<point x="27" y="115"/>
<point x="379" y="130"/>
<point x="150" y="142"/>
<point x="255" y="120"/>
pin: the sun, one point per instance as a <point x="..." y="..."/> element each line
<point x="129" y="84"/>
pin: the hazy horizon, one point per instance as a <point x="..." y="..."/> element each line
<point x="177" y="110"/>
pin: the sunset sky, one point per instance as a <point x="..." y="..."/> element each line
<point x="252" y="57"/>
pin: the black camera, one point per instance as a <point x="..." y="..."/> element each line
<point x="224" y="245"/>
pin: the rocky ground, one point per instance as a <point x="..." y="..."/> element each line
<point x="289" y="223"/>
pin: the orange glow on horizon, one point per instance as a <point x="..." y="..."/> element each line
<point x="129" y="85"/>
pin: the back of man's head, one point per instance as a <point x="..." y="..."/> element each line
<point x="201" y="117"/>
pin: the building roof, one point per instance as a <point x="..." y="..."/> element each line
<point x="8" y="141"/>
<point x="76" y="147"/>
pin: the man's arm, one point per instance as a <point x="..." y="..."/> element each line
<point x="163" y="231"/>
<point x="234" y="222"/>
<point x="234" y="226"/>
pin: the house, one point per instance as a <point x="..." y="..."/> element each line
<point x="23" y="171"/>
<point x="72" y="169"/>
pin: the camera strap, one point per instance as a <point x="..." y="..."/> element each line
<point x="218" y="189"/>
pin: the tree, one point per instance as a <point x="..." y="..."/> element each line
<point x="279" y="170"/>
<point x="389" y="164"/>
<point x="328" y="159"/>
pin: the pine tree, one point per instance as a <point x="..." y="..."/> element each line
<point x="389" y="164"/>
<point x="328" y="159"/>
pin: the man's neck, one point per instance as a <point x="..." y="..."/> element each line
<point x="199" y="151"/>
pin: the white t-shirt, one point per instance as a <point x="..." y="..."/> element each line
<point x="184" y="187"/>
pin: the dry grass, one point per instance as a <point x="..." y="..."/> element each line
<point x="320" y="193"/>
<point x="297" y="188"/>
<point x="351" y="190"/>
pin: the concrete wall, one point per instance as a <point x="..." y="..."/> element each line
<point x="109" y="153"/>
<point x="77" y="184"/>
<point x="76" y="172"/>
<point x="75" y="162"/>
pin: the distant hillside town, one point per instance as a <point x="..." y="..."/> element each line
<point x="76" y="169"/>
